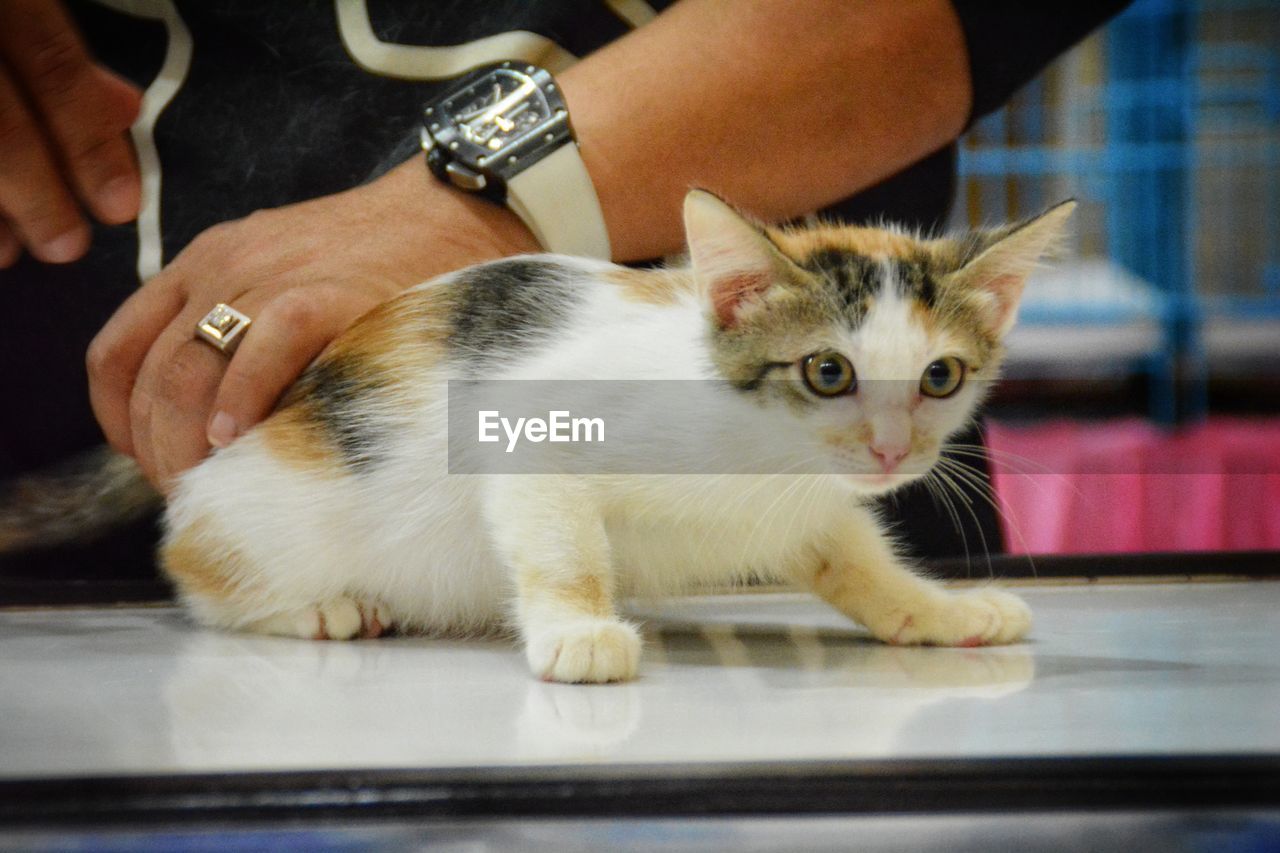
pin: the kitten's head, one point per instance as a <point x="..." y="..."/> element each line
<point x="881" y="343"/>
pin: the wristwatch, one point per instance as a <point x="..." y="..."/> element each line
<point x="503" y="132"/>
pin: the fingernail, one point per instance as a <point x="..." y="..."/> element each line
<point x="118" y="199"/>
<point x="65" y="247"/>
<point x="222" y="430"/>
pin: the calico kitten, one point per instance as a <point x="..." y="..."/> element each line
<point x="861" y="349"/>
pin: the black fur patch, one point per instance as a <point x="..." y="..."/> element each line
<point x="915" y="280"/>
<point x="857" y="279"/>
<point x="508" y="305"/>
<point x="337" y="394"/>
<point x="854" y="279"/>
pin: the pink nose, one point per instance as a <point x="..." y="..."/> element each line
<point x="889" y="457"/>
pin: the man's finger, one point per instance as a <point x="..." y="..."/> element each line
<point x="281" y="341"/>
<point x="177" y="385"/>
<point x="98" y="154"/>
<point x="172" y="397"/>
<point x="116" y="354"/>
<point x="33" y="198"/>
<point x="83" y="107"/>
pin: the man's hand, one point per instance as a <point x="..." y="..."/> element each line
<point x="303" y="273"/>
<point x="62" y="136"/>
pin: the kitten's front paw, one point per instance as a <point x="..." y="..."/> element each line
<point x="981" y="617"/>
<point x="592" y="651"/>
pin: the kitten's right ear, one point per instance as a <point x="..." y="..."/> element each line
<point x="733" y="259"/>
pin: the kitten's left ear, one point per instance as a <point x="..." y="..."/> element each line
<point x="1000" y="271"/>
<point x="733" y="258"/>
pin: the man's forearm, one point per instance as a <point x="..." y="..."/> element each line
<point x="782" y="106"/>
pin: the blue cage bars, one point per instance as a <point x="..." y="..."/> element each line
<point x="1166" y="126"/>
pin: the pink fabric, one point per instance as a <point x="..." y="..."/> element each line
<point x="1073" y="487"/>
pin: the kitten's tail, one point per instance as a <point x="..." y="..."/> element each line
<point x="77" y="501"/>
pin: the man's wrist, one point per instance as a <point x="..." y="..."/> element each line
<point x="504" y="132"/>
<point x="447" y="223"/>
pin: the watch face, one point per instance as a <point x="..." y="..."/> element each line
<point x="494" y="124"/>
<point x="498" y="109"/>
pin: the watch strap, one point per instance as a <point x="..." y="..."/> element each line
<point x="556" y="199"/>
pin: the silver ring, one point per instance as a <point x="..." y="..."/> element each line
<point x="222" y="328"/>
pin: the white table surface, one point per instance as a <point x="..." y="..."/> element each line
<point x="1191" y="669"/>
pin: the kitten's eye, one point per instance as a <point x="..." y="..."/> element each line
<point x="829" y="373"/>
<point x="943" y="377"/>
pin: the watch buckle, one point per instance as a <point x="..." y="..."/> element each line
<point x="463" y="178"/>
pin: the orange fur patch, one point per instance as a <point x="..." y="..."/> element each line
<point x="200" y="563"/>
<point x="591" y="595"/>
<point x="399" y="335"/>
<point x="872" y="242"/>
<point x="922" y="443"/>
<point x="291" y="436"/>
<point x="587" y="594"/>
<point x="653" y="287"/>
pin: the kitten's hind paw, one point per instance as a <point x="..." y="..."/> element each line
<point x="981" y="617"/>
<point x="592" y="651"/>
<point x="336" y="619"/>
